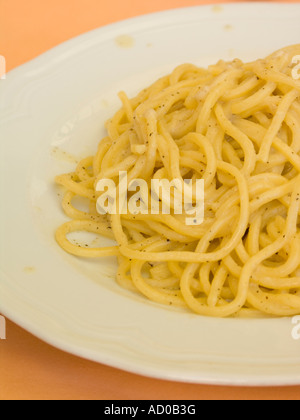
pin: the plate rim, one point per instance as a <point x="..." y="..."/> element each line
<point x="60" y="49"/>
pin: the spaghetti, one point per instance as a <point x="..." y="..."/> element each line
<point x="237" y="127"/>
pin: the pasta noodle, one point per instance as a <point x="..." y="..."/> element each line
<point x="236" y="126"/>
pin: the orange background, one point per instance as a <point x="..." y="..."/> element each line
<point x="29" y="368"/>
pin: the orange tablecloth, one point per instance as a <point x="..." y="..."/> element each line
<point x="29" y="368"/>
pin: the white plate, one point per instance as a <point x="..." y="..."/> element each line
<point x="59" y="103"/>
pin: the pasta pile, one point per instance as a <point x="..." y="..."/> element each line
<point x="237" y="127"/>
